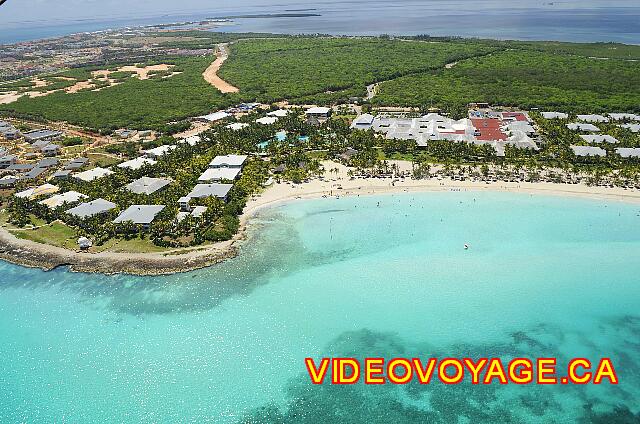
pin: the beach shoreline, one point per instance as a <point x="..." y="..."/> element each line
<point x="46" y="257"/>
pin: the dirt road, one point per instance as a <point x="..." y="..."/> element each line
<point x="211" y="73"/>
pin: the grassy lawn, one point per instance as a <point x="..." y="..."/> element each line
<point x="130" y="246"/>
<point x="101" y="160"/>
<point x="56" y="234"/>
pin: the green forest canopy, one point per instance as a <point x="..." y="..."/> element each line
<point x="564" y="76"/>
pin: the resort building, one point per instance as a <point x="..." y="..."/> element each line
<point x="318" y="115"/>
<point x="147" y="185"/>
<point x="47" y="163"/>
<point x="7" y="161"/>
<point x="267" y="120"/>
<point x="237" y="126"/>
<point x="624" y="117"/>
<point x="632" y="127"/>
<point x="34" y="173"/>
<point x="363" y="122"/>
<point x="597" y="139"/>
<point x="95" y="207"/>
<point x="42" y="135"/>
<point x="220" y="174"/>
<point x="158" y="152"/>
<point x="583" y="127"/>
<point x="586" y="151"/>
<point x="93" y="174"/>
<point x="21" y="167"/>
<point x="140" y="215"/>
<point x="212" y="117"/>
<point x="197" y="212"/>
<point x="60" y="199"/>
<point x="593" y="118"/>
<point x="9" y="133"/>
<point x="51" y="150"/>
<point x="191" y="141"/>
<point x="628" y="152"/>
<point x="61" y="175"/>
<point x="76" y="163"/>
<point x="200" y="191"/>
<point x="42" y="190"/>
<point x="8" y="181"/>
<point x="137" y="163"/>
<point x="520" y="126"/>
<point x="228" y="161"/>
<point x="555" y="115"/>
<point x="280" y="113"/>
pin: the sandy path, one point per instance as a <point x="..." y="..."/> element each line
<point x="211" y="73"/>
<point x="10" y="97"/>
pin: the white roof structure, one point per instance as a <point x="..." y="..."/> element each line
<point x="632" y="127"/>
<point x="267" y="120"/>
<point x="280" y="113"/>
<point x="363" y="122"/>
<point x="147" y="185"/>
<point x="521" y="140"/>
<point x="588" y="151"/>
<point x="219" y="174"/>
<point x="318" y="111"/>
<point x="228" y="161"/>
<point x="627" y="152"/>
<point x="137" y="163"/>
<point x="428" y="127"/>
<point x="32" y="193"/>
<point x="623" y="116"/>
<point x="92" y="208"/>
<point x="198" y="211"/>
<point x="236" y="126"/>
<point x="210" y="190"/>
<point x="554" y="115"/>
<point x="583" y="127"/>
<point x="191" y="141"/>
<point x="60" y="199"/>
<point x="93" y="174"/>
<point x="521" y="126"/>
<point x="597" y="138"/>
<point x="213" y="117"/>
<point x="139" y="214"/>
<point x="593" y="118"/>
<point x="160" y="151"/>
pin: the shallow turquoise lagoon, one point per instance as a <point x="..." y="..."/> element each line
<point x="361" y="276"/>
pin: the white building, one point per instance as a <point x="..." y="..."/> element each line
<point x="137" y="163"/>
<point x="586" y="151"/>
<point x="93" y="174"/>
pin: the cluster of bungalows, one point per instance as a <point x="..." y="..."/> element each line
<point x="586" y="125"/>
<point x="496" y="129"/>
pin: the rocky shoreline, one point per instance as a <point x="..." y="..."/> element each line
<point x="35" y="255"/>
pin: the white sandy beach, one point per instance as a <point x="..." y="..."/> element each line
<point x="33" y="254"/>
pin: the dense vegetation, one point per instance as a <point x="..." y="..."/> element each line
<point x="326" y="70"/>
<point x="526" y="79"/>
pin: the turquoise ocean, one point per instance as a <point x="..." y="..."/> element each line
<point x="358" y="276"/>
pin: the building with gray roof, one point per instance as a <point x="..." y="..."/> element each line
<point x="77" y="163"/>
<point x="221" y="191"/>
<point x="61" y="174"/>
<point x="592" y="118"/>
<point x="147" y="185"/>
<point x="51" y="150"/>
<point x="628" y="152"/>
<point x="597" y="139"/>
<point x="21" y="167"/>
<point x="47" y="163"/>
<point x="139" y="214"/>
<point x="583" y="127"/>
<point x="585" y="151"/>
<point x="363" y="122"/>
<point x="34" y="173"/>
<point x="554" y="115"/>
<point x="7" y="161"/>
<point x="42" y="135"/>
<point x="95" y="207"/>
<point x="624" y="116"/>
<point x="632" y="127"/>
<point x="228" y="161"/>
